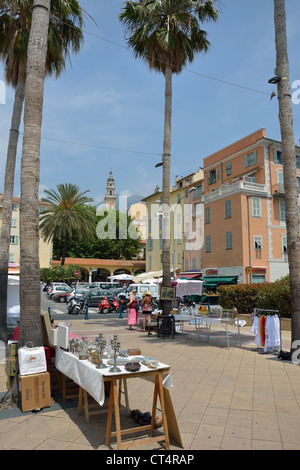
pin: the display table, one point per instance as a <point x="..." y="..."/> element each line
<point x="92" y="380"/>
<point x="199" y="320"/>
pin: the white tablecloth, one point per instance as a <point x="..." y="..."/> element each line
<point x="86" y="375"/>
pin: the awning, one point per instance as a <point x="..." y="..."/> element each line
<point x="188" y="275"/>
<point x="215" y="281"/>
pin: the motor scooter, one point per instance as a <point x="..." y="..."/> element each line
<point x="74" y="306"/>
<point x="104" y="306"/>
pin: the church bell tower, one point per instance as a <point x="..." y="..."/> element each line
<point x="110" y="197"/>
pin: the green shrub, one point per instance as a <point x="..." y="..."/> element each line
<point x="247" y="297"/>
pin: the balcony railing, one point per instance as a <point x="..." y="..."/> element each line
<point x="238" y="186"/>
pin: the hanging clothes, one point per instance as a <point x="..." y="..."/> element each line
<point x="255" y="330"/>
<point x="272" y="334"/>
<point x="262" y="323"/>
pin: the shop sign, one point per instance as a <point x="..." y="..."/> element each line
<point x="211" y="271"/>
<point x="258" y="269"/>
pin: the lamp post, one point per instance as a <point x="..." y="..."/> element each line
<point x="177" y="203"/>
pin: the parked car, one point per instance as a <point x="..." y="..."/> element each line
<point x="54" y="284"/>
<point x="60" y="293"/>
<point x="141" y="289"/>
<point x="79" y="293"/>
<point x="92" y="298"/>
<point x="103" y="285"/>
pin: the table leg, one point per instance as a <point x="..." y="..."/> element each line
<point x="163" y="410"/>
<point x="80" y="401"/>
<point x="117" y="413"/>
<point x="110" y="412"/>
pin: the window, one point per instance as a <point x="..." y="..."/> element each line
<point x="193" y="263"/>
<point x="282" y="214"/>
<point x="208" y="243"/>
<point x="160" y="241"/>
<point x="186" y="264"/>
<point x="280" y="179"/>
<point x="218" y="173"/>
<point x="256" y="207"/>
<point x="150" y="263"/>
<point x="11" y="258"/>
<point x="250" y="159"/>
<point x="14" y="240"/>
<point x="212" y="177"/>
<point x="298" y="183"/>
<point x="284" y="248"/>
<point x="228" y="169"/>
<point x="197" y="192"/>
<point x="178" y="258"/>
<point x="13" y="223"/>
<point x="297" y="162"/>
<point x="258" y="242"/>
<point x="14" y="207"/>
<point x="278" y="157"/>
<point x="207" y="215"/>
<point x="228" y="240"/>
<point x="228" y="209"/>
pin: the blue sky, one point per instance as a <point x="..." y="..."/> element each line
<point x="106" y="111"/>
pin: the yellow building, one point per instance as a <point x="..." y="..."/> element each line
<point x="180" y="198"/>
<point x="45" y="248"/>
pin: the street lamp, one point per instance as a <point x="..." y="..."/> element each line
<point x="177" y="203"/>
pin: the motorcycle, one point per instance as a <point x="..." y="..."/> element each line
<point x="74" y="306"/>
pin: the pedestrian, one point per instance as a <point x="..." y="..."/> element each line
<point x="122" y="305"/>
<point x="147" y="304"/>
<point x="133" y="313"/>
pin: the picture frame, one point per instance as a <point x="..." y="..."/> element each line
<point x="167" y="293"/>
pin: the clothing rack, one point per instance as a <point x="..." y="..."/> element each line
<point x="265" y="311"/>
<point x="269" y="312"/>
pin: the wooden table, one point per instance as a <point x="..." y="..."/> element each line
<point x="91" y="379"/>
<point x="114" y="404"/>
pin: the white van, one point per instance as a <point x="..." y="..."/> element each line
<point x="141" y="289"/>
<point x="103" y="285"/>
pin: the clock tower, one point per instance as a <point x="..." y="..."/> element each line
<point x="110" y="197"/>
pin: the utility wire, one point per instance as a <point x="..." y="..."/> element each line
<point x="98" y="146"/>
<point x="184" y="68"/>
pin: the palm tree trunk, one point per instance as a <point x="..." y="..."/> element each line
<point x="289" y="164"/>
<point x="30" y="299"/>
<point x="166" y="281"/>
<point x="7" y="204"/>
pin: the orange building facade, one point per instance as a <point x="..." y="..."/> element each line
<point x="244" y="210"/>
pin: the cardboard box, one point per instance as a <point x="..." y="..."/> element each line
<point x="34" y="391"/>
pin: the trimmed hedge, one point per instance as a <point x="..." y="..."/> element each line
<point x="246" y="297"/>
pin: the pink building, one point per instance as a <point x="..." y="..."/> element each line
<point x="244" y="211"/>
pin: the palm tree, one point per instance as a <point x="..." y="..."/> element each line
<point x="30" y="300"/>
<point x="166" y="34"/>
<point x="63" y="34"/>
<point x="67" y="216"/>
<point x="289" y="166"/>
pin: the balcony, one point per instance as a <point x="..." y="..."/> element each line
<point x="278" y="190"/>
<point x="254" y="189"/>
